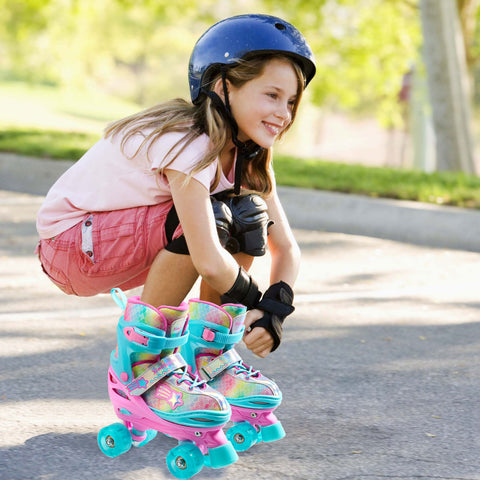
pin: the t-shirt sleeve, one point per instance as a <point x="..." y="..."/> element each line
<point x="166" y="147"/>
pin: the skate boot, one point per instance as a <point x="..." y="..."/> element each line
<point x="214" y="331"/>
<point x="152" y="390"/>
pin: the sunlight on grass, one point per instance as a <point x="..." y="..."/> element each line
<point x="44" y="107"/>
<point x="56" y="144"/>
<point x="441" y="188"/>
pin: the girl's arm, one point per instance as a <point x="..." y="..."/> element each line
<point x="216" y="266"/>
<point x="193" y="206"/>
<point x="285" y="255"/>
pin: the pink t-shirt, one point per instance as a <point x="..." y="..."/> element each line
<point x="106" y="179"/>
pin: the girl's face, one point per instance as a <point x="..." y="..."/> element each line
<point x="263" y="106"/>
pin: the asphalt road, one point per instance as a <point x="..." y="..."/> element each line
<point x="379" y="368"/>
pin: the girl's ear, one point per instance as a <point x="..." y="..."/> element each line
<point x="218" y="88"/>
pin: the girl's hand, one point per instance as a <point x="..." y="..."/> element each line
<point x="257" y="339"/>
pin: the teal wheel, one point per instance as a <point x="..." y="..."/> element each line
<point x="114" y="440"/>
<point x="272" y="433"/>
<point x="242" y="436"/>
<point x="185" y="461"/>
<point x="221" y="456"/>
<point x="151" y="434"/>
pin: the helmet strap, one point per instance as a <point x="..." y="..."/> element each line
<point x="246" y="151"/>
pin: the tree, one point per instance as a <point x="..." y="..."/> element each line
<point x="362" y="47"/>
<point x="446" y="62"/>
<point x="468" y="13"/>
<point x="22" y="22"/>
<point x="138" y="49"/>
<point x="134" y="49"/>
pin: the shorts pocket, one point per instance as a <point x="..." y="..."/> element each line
<point x="112" y="242"/>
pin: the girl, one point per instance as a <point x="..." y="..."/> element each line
<point x="136" y="209"/>
<point x="180" y="190"/>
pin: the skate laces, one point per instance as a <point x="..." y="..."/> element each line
<point x="246" y="370"/>
<point x="194" y="381"/>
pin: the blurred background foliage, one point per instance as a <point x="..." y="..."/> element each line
<point x="78" y="64"/>
<point x="138" y="50"/>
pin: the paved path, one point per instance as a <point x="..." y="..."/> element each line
<point x="379" y="369"/>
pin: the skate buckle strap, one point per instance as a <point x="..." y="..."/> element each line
<point x="155" y="373"/>
<point x="212" y="335"/>
<point x="136" y="335"/>
<point x="221" y="363"/>
<point x="152" y="341"/>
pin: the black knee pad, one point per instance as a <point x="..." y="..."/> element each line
<point x="242" y="225"/>
<point x="250" y="224"/>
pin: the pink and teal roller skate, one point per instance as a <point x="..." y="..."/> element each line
<point x="152" y="390"/>
<point x="214" y="331"/>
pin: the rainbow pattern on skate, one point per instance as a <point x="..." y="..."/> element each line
<point x="214" y="330"/>
<point x="138" y="312"/>
<point x="205" y="400"/>
<point x="163" y="318"/>
<point x="158" y="393"/>
<point x="177" y="394"/>
<point x="238" y="383"/>
<point x="208" y="313"/>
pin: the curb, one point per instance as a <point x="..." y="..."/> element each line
<point x="411" y="222"/>
<point x="404" y="221"/>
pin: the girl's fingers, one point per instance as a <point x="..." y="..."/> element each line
<point x="259" y="341"/>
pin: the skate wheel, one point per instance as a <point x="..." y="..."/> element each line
<point x="151" y="434"/>
<point x="221" y="456"/>
<point x="114" y="440"/>
<point x="185" y="461"/>
<point x="272" y="432"/>
<point x="242" y="436"/>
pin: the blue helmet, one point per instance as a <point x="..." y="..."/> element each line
<point x="232" y="39"/>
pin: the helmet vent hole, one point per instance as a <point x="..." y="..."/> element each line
<point x="280" y="26"/>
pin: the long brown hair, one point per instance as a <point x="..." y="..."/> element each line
<point x="178" y="115"/>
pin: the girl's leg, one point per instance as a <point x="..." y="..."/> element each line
<point x="208" y="294"/>
<point x="169" y="280"/>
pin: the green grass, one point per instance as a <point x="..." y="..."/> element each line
<point x="444" y="188"/>
<point x="44" y="107"/>
<point x="46" y="143"/>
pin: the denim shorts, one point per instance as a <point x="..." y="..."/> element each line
<point x="106" y="250"/>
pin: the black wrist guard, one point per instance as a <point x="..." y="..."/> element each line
<point x="276" y="305"/>
<point x="244" y="291"/>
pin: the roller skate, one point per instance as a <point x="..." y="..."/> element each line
<point x="152" y="390"/>
<point x="214" y="331"/>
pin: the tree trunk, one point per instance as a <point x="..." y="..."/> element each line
<point x="444" y="56"/>
<point x="467" y="10"/>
